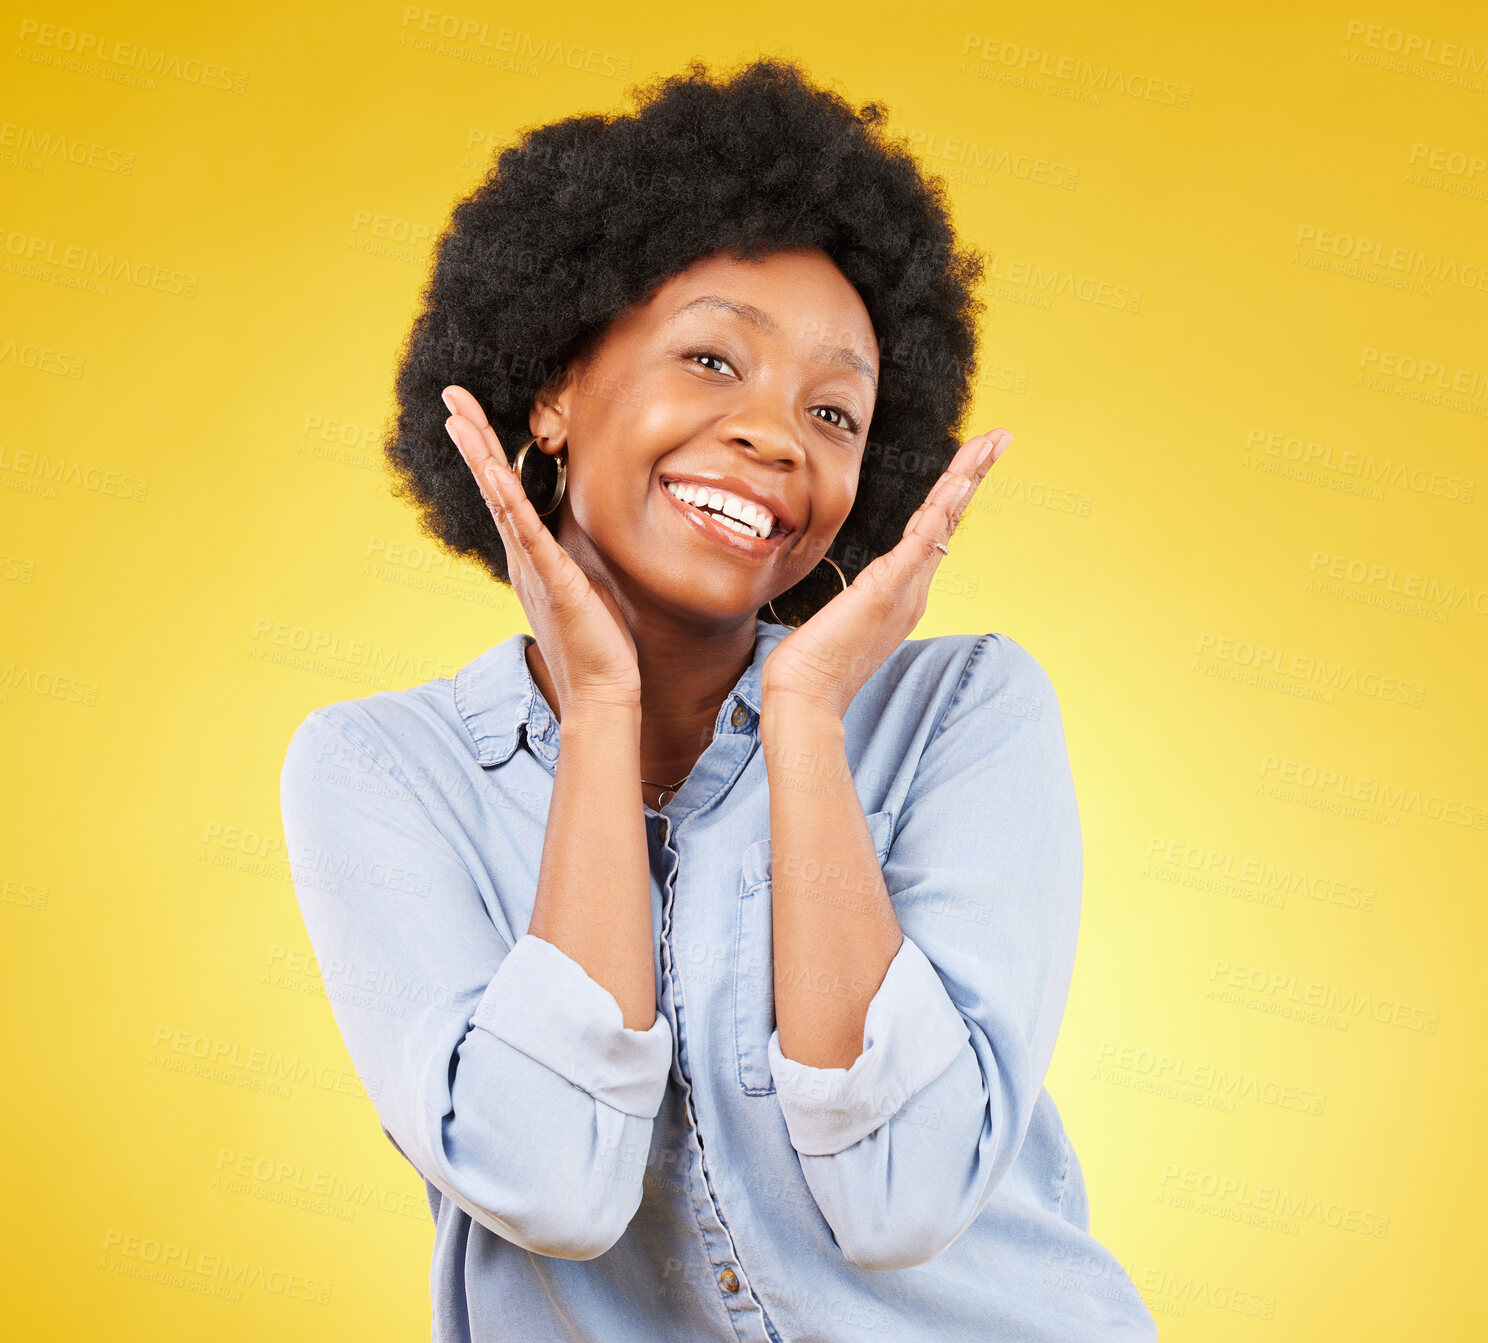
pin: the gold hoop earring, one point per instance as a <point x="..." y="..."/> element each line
<point x="561" y="464"/>
<point x="842" y="576"/>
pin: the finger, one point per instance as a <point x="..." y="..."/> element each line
<point x="931" y="527"/>
<point x="975" y="457"/>
<point x="977" y="454"/>
<point x="464" y="407"/>
<point x="490" y="478"/>
<point x="944" y="503"/>
<point x="461" y="402"/>
<point x="963" y="465"/>
<point x="532" y="550"/>
<point x="495" y="479"/>
<point x="522" y="522"/>
<point x="919" y="552"/>
<point x="909" y="568"/>
<point x="942" y="511"/>
<point x="968" y="468"/>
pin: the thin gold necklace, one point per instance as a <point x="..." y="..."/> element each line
<point x="668" y="788"/>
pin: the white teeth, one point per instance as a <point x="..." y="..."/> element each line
<point x="746" y="518"/>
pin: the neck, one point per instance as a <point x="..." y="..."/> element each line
<point x="686" y="673"/>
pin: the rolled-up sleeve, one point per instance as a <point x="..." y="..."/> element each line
<point x="904" y="1150"/>
<point x="911" y="1035"/>
<point x="544" y="1003"/>
<point x="503" y="1073"/>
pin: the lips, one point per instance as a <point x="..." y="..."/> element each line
<point x="754" y="492"/>
<point x="754" y="546"/>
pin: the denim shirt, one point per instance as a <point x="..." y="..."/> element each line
<point x="688" y="1182"/>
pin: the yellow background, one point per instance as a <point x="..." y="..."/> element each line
<point x="1150" y="530"/>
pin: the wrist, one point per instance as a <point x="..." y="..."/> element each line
<point x="599" y="719"/>
<point x="784" y="719"/>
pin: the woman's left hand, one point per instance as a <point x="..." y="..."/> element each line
<point x="823" y="663"/>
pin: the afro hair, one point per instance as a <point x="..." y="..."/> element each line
<point x="580" y="219"/>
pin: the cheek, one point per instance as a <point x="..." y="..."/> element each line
<point x="610" y="481"/>
<point x="656" y="417"/>
<point x="631" y="417"/>
<point x="839" y="496"/>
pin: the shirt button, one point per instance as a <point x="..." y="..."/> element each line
<point x="739" y="718"/>
<point x="729" y="1279"/>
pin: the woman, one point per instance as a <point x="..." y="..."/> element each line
<point x="707" y="967"/>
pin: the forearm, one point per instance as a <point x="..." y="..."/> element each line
<point x="594" y="892"/>
<point x="835" y="931"/>
<point x="506" y="1078"/>
<point x="905" y="1147"/>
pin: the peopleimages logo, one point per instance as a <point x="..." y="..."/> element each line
<point x="1263" y="874"/>
<point x="1281" y="986"/>
<point x="43" y="473"/>
<point x="1471" y="274"/>
<point x="297" y="1185"/>
<point x="1416" y="46"/>
<point x="1412" y="368"/>
<point x="1084" y="76"/>
<point x="1371" y="574"/>
<point x="1053" y="280"/>
<point x="1267" y="1199"/>
<point x="69" y="48"/>
<point x="219" y="1058"/>
<point x="1304" y="667"/>
<point x="279" y="641"/>
<point x="1322" y="780"/>
<point x="1175" y="1070"/>
<point x="1359" y="464"/>
<point x="209" y="1272"/>
<point x="80" y="264"/>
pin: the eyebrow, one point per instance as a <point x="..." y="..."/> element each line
<point x="835" y="355"/>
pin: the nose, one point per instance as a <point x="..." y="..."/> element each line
<point x="766" y="428"/>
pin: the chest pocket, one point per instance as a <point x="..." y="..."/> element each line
<point x="754" y="965"/>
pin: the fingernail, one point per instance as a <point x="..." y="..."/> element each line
<point x="985" y="453"/>
<point x="449" y="428"/>
<point x="966" y="488"/>
<point x="1007" y="442"/>
<point x="449" y="405"/>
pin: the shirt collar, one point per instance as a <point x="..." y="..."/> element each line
<point x="497" y="699"/>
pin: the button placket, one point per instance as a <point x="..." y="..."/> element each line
<point x="717" y="1237"/>
<point x="754" y="968"/>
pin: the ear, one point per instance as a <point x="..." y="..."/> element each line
<point x="548" y="418"/>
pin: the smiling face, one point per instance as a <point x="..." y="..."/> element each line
<point x="735" y="383"/>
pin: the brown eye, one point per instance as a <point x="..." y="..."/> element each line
<point x="846" y="420"/>
<point x="708" y="354"/>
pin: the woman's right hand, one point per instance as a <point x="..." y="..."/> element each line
<point x="585" y="643"/>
